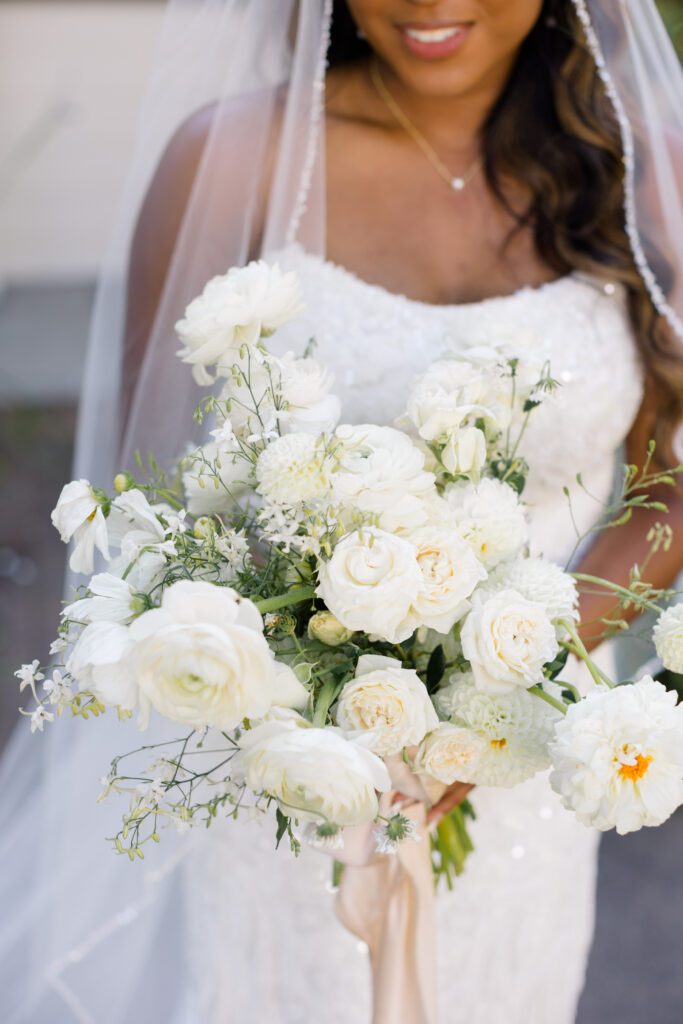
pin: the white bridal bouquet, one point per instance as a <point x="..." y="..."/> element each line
<point x="321" y="606"/>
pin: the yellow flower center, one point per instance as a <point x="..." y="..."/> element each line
<point x="635" y="772"/>
<point x="499" y="744"/>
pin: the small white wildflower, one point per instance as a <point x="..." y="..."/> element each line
<point x="39" y="717"/>
<point x="58" y="689"/>
<point x="58" y="645"/>
<point x="29" y="675"/>
<point x="396" y="830"/>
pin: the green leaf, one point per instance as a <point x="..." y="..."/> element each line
<point x="435" y="668"/>
<point x="553" y="668"/>
<point x="282" y="827"/>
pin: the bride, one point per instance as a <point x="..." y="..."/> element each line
<point x="440" y="173"/>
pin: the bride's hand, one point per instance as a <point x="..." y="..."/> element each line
<point x="453" y="796"/>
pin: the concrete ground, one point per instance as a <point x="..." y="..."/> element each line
<point x="635" y="973"/>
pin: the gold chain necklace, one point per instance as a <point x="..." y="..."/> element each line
<point x="456" y="182"/>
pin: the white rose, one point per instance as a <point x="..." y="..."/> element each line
<point x="212" y="478"/>
<point x="78" y="514"/>
<point x="449" y="754"/>
<point x="448" y="394"/>
<point x="235" y="309"/>
<point x="618" y="757"/>
<point x="305" y="386"/>
<point x="381" y="471"/>
<point x="541" y="581"/>
<point x="293" y="469"/>
<point x="507" y="641"/>
<point x="668" y="638"/>
<point x="101" y="664"/>
<point x="111" y="600"/>
<point x="450" y="572"/>
<point x="464" y="453"/>
<point x="202" y="659"/>
<point x="315" y="774"/>
<point x="490" y="518"/>
<point x="370" y="583"/>
<point x="389" y="700"/>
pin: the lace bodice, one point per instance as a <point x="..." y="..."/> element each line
<point x="263" y="940"/>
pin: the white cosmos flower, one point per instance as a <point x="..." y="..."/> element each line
<point x="202" y="659"/>
<point x="507" y="640"/>
<point x="668" y="638"/>
<point x="543" y="582"/>
<point x="490" y="518"/>
<point x="450" y="572"/>
<point x="381" y="471"/>
<point x="618" y="757"/>
<point x="293" y="469"/>
<point x="136" y="529"/>
<point x="513" y="729"/>
<point x="213" y="476"/>
<point x="234" y="310"/>
<point x="78" y="515"/>
<point x="315" y="774"/>
<point x="111" y="600"/>
<point x="450" y="754"/>
<point x="100" y="663"/>
<point x="390" y="701"/>
<point x="371" y="582"/>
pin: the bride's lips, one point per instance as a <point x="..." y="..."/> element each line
<point x="434" y="40"/>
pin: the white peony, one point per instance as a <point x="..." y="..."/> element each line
<point x="390" y="701"/>
<point x="213" y="476"/>
<point x="668" y="638"/>
<point x="490" y="518"/>
<point x="618" y="757"/>
<point x="111" y="600"/>
<point x="78" y="515"/>
<point x="450" y="754"/>
<point x="101" y="663"/>
<point x="371" y="582"/>
<point x="450" y="572"/>
<point x="293" y="469"/>
<point x="235" y="310"/>
<point x="541" y="581"/>
<point x="451" y="393"/>
<point x="315" y="774"/>
<point x="515" y="729"/>
<point x="507" y="640"/>
<point x="381" y="472"/>
<point x="202" y="659"/>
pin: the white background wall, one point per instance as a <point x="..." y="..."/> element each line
<point x="71" y="79"/>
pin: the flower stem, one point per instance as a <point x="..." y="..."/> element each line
<point x="296" y="596"/>
<point x="577" y="647"/>
<point x="326" y="696"/>
<point x="538" y="691"/>
<point x="632" y="597"/>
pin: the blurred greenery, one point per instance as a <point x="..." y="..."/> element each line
<point x="672" y="12"/>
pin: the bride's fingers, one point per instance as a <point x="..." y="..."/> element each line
<point x="451" y="798"/>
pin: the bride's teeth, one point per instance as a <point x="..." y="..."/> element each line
<point x="432" y="35"/>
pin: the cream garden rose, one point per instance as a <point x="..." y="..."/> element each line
<point x="389" y="701"/>
<point x="507" y="640"/>
<point x="201" y="659"/>
<point x="450" y="754"/>
<point x="450" y="572"/>
<point x="316" y="775"/>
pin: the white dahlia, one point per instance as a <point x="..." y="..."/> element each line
<point x="618" y="757"/>
<point x="543" y="582"/>
<point x="490" y="518"/>
<point x="293" y="469"/>
<point x="668" y="638"/>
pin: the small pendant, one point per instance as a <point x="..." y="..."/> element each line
<point x="458" y="184"/>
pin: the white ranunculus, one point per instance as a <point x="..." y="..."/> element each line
<point x="371" y="582"/>
<point x="618" y="757"/>
<point x="289" y="692"/>
<point x="449" y="754"/>
<point x="490" y="518"/>
<point x="390" y="701"/>
<point x="111" y="600"/>
<point x="234" y="310"/>
<point x="507" y="640"/>
<point x="315" y="774"/>
<point x="381" y="472"/>
<point x="541" y="581"/>
<point x="450" y="393"/>
<point x="202" y="659"/>
<point x="78" y="515"/>
<point x="450" y="572"/>
<point x="668" y="638"/>
<point x="292" y="469"/>
<point x="515" y="729"/>
<point x="464" y="453"/>
<point x="213" y="476"/>
<point x="101" y="663"/>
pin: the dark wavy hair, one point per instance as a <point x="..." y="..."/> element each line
<point x="554" y="129"/>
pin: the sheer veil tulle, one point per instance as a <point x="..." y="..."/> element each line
<point x="85" y="935"/>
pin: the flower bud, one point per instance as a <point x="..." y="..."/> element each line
<point x="123" y="482"/>
<point x="203" y="528"/>
<point x="326" y="627"/>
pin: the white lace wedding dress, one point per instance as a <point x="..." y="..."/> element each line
<point x="264" y="943"/>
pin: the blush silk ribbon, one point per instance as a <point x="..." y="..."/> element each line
<point x="388" y="902"/>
